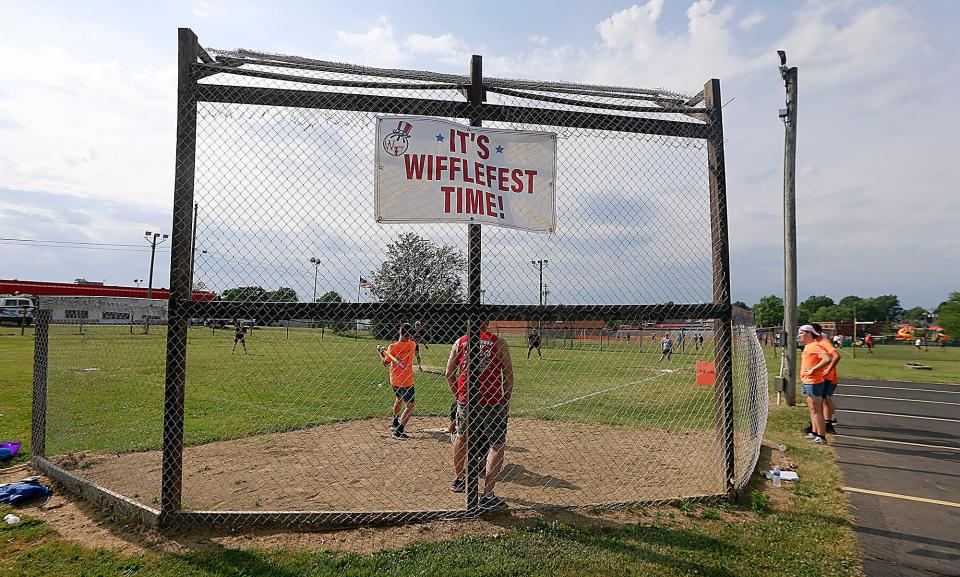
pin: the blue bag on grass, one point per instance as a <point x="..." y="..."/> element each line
<point x="22" y="492"/>
<point x="5" y="454"/>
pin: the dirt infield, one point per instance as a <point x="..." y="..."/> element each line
<point x="356" y="466"/>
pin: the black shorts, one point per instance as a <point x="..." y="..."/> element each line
<point x="405" y="394"/>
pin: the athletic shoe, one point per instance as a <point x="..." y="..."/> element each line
<point x="811" y="436"/>
<point x="819" y="440"/>
<point x="453" y="438"/>
<point x="401" y="436"/>
<point x="830" y="429"/>
<point x="808" y="429"/>
<point x="492" y="503"/>
<point x="458" y="485"/>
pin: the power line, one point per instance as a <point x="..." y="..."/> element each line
<point x="96" y="248"/>
<point x="35" y="240"/>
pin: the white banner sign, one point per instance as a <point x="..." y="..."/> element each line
<point x="432" y="170"/>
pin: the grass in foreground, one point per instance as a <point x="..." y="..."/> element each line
<point x="804" y="532"/>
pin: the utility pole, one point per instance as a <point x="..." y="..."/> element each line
<point x="316" y="274"/>
<point x="541" y="264"/>
<point x="152" y="238"/>
<point x="789" y="117"/>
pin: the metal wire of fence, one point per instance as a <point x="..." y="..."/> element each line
<point x="565" y="376"/>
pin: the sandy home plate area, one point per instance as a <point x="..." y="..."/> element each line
<point x="356" y="466"/>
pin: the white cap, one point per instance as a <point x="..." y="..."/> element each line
<point x="809" y="329"/>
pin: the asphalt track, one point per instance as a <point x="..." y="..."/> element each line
<point x="898" y="446"/>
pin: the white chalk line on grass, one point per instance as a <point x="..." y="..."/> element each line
<point x="606" y="391"/>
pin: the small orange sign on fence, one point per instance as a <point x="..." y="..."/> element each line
<point x="705" y="370"/>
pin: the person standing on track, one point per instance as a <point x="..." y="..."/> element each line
<point x="813" y="366"/>
<point x="492" y="397"/>
<point x="240" y="336"/>
<point x="830" y="381"/>
<point x="419" y="336"/>
<point x="399" y="358"/>
<point x="533" y="342"/>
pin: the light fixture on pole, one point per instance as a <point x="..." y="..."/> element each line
<point x="154" y="238"/>
<point x="540" y="264"/>
<point x="137" y="281"/>
<point x="316" y="274"/>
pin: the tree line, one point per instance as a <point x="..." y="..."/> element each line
<point x="883" y="308"/>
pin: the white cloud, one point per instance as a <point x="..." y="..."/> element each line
<point x="445" y="48"/>
<point x="376" y="46"/>
<point x="87" y="127"/>
<point x="206" y="9"/>
<point x="537" y="39"/>
<point x="751" y="20"/>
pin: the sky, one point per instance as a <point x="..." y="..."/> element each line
<point x="87" y="109"/>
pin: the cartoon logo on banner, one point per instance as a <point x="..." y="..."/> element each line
<point x="397" y="142"/>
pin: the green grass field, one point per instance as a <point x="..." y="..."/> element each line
<point x="105" y="387"/>
<point x="802" y="529"/>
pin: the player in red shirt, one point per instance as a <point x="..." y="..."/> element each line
<point x="495" y="386"/>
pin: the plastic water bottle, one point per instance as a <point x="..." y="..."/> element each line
<point x="776" y="476"/>
<point x="782" y="448"/>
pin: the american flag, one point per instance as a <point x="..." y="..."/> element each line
<point x="364" y="283"/>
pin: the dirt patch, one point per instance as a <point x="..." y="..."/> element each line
<point x="356" y="466"/>
<point x="76" y="521"/>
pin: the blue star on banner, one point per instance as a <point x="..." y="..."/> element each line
<point x="439" y="138"/>
<point x="499" y="149"/>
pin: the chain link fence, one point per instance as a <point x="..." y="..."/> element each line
<point x="548" y="370"/>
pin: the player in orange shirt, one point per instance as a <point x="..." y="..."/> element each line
<point x="399" y="358"/>
<point x="813" y="366"/>
<point x="830" y="381"/>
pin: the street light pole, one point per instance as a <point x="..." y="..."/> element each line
<point x="540" y="263"/>
<point x="152" y="238"/>
<point x="789" y="116"/>
<point x="316" y="275"/>
<point x="137" y="281"/>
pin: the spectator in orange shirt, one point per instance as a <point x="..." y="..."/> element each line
<point x="830" y="381"/>
<point x="399" y="358"/>
<point x="813" y="366"/>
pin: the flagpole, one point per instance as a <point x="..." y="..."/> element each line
<point x="358" y="287"/>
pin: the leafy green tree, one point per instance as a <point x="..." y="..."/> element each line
<point x="948" y="315"/>
<point x="336" y="325"/>
<point x="807" y="308"/>
<point x="915" y="314"/>
<point x="330" y="297"/>
<point x="885" y="308"/>
<point x="244" y="293"/>
<point x="418" y="271"/>
<point x="769" y="311"/>
<point x="282" y="295"/>
<point x="832" y="313"/>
